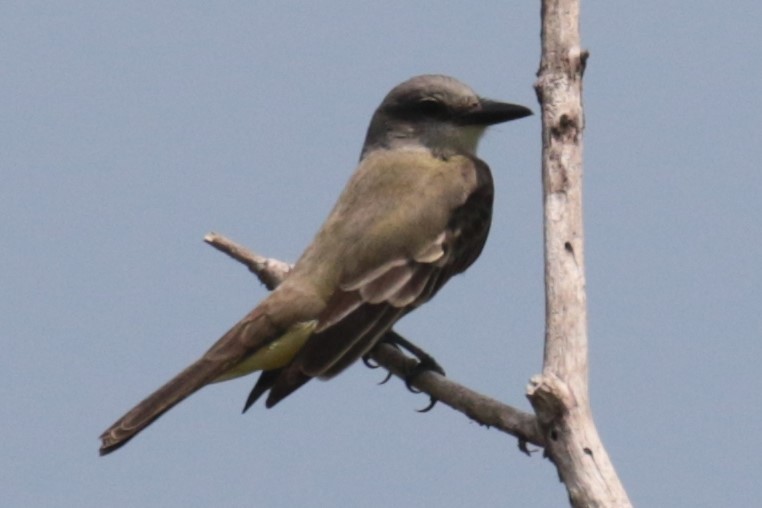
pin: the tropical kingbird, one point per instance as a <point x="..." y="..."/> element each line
<point x="416" y="212"/>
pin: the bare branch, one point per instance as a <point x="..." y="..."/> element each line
<point x="560" y="395"/>
<point x="270" y="272"/>
<point x="480" y="408"/>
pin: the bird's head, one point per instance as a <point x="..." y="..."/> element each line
<point x="436" y="112"/>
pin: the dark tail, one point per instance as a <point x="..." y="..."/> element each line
<point x="162" y="400"/>
<point x="245" y="336"/>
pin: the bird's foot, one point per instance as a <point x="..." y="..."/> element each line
<point x="426" y="362"/>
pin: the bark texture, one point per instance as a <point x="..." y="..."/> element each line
<point x="560" y="394"/>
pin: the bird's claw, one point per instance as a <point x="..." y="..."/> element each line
<point x="368" y="361"/>
<point x="426" y="362"/>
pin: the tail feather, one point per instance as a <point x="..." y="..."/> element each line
<point x="187" y="382"/>
<point x="252" y="332"/>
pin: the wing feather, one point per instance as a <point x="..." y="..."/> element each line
<point x="362" y="309"/>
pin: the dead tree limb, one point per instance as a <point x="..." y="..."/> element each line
<point x="560" y="394"/>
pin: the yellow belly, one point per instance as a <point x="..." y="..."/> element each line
<point x="274" y="355"/>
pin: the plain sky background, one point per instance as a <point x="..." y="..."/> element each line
<point x="130" y="129"/>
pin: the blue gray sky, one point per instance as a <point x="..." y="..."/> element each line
<point x="131" y="129"/>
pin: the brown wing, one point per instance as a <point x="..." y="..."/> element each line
<point x="364" y="309"/>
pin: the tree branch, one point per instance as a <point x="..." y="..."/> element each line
<point x="560" y="394"/>
<point x="270" y="272"/>
<point x="480" y="408"/>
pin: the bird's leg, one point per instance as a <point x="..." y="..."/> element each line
<point x="425" y="363"/>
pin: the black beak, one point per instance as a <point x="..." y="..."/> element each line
<point x="490" y="112"/>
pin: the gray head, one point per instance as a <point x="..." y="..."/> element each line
<point x="436" y="112"/>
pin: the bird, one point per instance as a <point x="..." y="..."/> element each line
<point x="415" y="212"/>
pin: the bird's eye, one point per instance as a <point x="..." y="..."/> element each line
<point x="431" y="108"/>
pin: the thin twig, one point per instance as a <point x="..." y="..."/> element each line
<point x="269" y="271"/>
